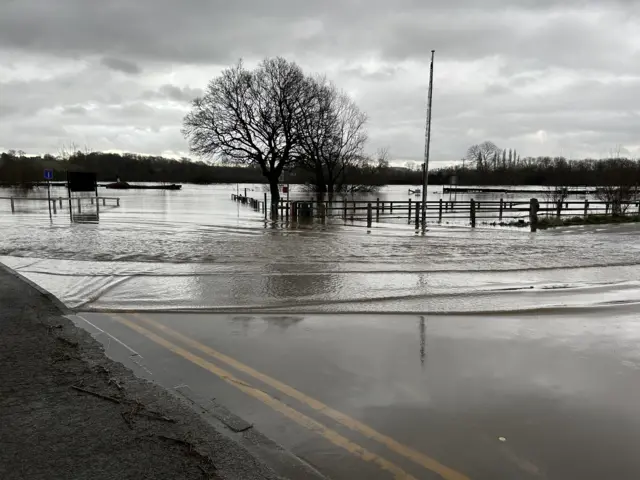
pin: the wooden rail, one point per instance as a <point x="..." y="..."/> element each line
<point x="469" y="212"/>
<point x="59" y="202"/>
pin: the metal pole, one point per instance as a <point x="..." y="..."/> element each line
<point x="427" y="145"/>
<point x="49" y="198"/>
<point x="69" y="195"/>
<point x="97" y="203"/>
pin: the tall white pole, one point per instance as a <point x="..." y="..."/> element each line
<point x="427" y="144"/>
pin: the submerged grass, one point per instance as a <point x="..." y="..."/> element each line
<point x="554" y="222"/>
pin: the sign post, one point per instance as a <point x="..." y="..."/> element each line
<point x="81" y="182"/>
<point x="48" y="176"/>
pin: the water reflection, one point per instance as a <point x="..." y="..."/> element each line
<point x="423" y="340"/>
<point x="283" y="322"/>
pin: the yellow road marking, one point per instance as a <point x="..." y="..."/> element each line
<point x="349" y="422"/>
<point x="301" y="419"/>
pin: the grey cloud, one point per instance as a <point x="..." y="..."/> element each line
<point x="121" y="65"/>
<point x="503" y="71"/>
<point x="220" y="31"/>
<point x="74" y="110"/>
<point x="172" y="92"/>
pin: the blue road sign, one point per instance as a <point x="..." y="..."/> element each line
<point x="48" y="173"/>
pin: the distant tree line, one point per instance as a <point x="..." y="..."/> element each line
<point x="547" y="171"/>
<point x="18" y="168"/>
<point x="487" y="164"/>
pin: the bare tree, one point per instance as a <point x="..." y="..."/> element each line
<point x="618" y="197"/>
<point x="251" y="117"/>
<point x="382" y="158"/>
<point x="332" y="134"/>
<point x="482" y="155"/>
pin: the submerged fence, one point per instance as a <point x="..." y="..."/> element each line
<point x="28" y="204"/>
<point x="509" y="212"/>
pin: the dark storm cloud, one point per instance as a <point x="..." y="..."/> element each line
<point x="121" y="65"/>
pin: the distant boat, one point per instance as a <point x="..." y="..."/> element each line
<point x="120" y="185"/>
<point x="417" y="191"/>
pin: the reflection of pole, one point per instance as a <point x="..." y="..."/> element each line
<point x="49" y="198"/>
<point x="427" y="144"/>
<point x="423" y="341"/>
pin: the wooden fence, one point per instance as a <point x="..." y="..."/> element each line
<point x="465" y="212"/>
<point x="59" y="202"/>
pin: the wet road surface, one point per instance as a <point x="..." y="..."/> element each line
<point x="408" y="396"/>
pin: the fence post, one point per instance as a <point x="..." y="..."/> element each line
<point x="390" y="207"/>
<point x="472" y="212"/>
<point x="13" y="207"/>
<point x="55" y="210"/>
<point x="409" y="210"/>
<point x="533" y="214"/>
<point x="377" y="210"/>
<point x="104" y="202"/>
<point x="501" y="208"/>
<point x="417" y="214"/>
<point x="79" y="205"/>
<point x="586" y="207"/>
<point x="559" y="208"/>
<point x="440" y="211"/>
<point x="369" y="214"/>
<point x="60" y="198"/>
<point x="118" y="202"/>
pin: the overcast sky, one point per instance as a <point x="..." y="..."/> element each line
<point x="545" y="77"/>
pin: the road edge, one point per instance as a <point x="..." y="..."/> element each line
<point x="265" y="450"/>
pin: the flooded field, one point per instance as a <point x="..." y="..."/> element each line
<point x="196" y="249"/>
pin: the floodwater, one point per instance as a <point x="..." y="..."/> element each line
<point x="460" y="353"/>
<point x="196" y="249"/>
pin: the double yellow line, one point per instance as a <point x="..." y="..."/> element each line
<point x="303" y="420"/>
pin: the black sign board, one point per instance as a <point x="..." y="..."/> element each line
<point x="81" y="181"/>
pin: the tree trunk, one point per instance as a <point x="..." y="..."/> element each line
<point x="321" y="186"/>
<point x="275" y="195"/>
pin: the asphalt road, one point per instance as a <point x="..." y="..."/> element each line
<point x="404" y="396"/>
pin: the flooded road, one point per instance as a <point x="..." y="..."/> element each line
<point x="381" y="353"/>
<point x="449" y="397"/>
